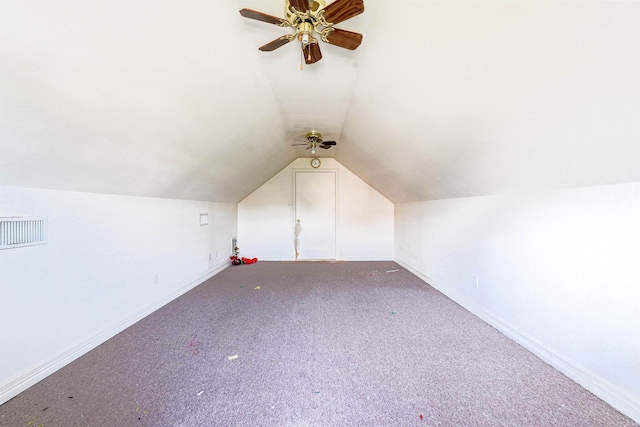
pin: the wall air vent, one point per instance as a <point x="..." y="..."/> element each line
<point x="16" y="232"/>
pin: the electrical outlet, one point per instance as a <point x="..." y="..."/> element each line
<point x="216" y="253"/>
<point x="155" y="279"/>
<point x="477" y="281"/>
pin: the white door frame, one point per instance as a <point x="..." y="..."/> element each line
<point x="335" y="212"/>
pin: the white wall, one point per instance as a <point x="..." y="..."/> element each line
<point x="97" y="273"/>
<point x="558" y="271"/>
<point x="364" y="218"/>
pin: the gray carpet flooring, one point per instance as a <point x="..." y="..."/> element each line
<point x="318" y="344"/>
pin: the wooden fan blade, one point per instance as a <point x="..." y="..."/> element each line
<point x="345" y="39"/>
<point x="312" y="53"/>
<point x="326" y="147"/>
<point x="341" y="10"/>
<point x="329" y="143"/>
<point x="301" y="6"/>
<point x="259" y="16"/>
<point x="273" y="45"/>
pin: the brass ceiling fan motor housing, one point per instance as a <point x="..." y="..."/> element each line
<point x="314" y="137"/>
<point x="313" y="8"/>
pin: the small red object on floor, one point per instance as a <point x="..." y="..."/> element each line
<point x="421" y="416"/>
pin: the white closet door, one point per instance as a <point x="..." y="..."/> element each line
<point x="315" y="228"/>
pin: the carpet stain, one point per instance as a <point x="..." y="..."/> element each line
<point x="194" y="346"/>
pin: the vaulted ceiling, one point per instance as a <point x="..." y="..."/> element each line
<point x="442" y="99"/>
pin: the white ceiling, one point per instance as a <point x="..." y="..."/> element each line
<point x="443" y="99"/>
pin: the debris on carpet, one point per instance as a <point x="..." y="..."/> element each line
<point x="237" y="260"/>
<point x="234" y="357"/>
<point x="194" y="346"/>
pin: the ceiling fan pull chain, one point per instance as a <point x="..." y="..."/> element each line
<point x="301" y="59"/>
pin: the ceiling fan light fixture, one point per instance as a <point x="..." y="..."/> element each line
<point x="304" y="33"/>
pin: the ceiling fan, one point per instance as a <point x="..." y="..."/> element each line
<point x="314" y="140"/>
<point x="309" y="17"/>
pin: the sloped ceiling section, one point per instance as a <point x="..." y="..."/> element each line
<point x="136" y="97"/>
<point x="459" y="99"/>
<point x="443" y="99"/>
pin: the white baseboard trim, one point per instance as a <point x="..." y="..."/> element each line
<point x="620" y="399"/>
<point x="23" y="381"/>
